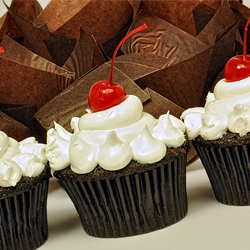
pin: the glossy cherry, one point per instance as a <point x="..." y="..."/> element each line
<point x="1" y="49"/>
<point x="106" y="94"/>
<point x="238" y="67"/>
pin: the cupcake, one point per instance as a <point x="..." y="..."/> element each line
<point x="24" y="177"/>
<point x="124" y="170"/>
<point x="220" y="133"/>
<point x="124" y="177"/>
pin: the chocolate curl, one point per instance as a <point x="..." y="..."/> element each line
<point x="163" y="39"/>
<point x="13" y="128"/>
<point x="73" y="102"/>
<point x="26" y="78"/>
<point x="27" y="9"/>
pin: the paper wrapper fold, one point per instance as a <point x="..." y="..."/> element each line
<point x="13" y="128"/>
<point x="29" y="10"/>
<point x="26" y="78"/>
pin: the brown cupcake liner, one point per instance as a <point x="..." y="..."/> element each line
<point x="228" y="169"/>
<point x="23" y="219"/>
<point x="133" y="204"/>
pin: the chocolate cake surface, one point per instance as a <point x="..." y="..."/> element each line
<point x="228" y="139"/>
<point x="25" y="184"/>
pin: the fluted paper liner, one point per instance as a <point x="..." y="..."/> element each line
<point x="131" y="204"/>
<point x="228" y="172"/>
<point x="23" y="219"/>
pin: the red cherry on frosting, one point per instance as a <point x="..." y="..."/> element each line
<point x="103" y="96"/>
<point x="1" y="49"/>
<point x="238" y="67"/>
<point x="106" y="94"/>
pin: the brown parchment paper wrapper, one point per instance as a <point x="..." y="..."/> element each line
<point x="111" y="16"/>
<point x="13" y="128"/>
<point x="27" y="9"/>
<point x="26" y="78"/>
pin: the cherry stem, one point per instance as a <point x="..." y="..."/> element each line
<point x="245" y="40"/>
<point x="144" y="26"/>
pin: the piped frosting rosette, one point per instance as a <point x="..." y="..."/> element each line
<point x="17" y="159"/>
<point x="228" y="108"/>
<point x="112" y="138"/>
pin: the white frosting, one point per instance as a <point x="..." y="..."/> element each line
<point x="10" y="173"/>
<point x="83" y="156"/>
<point x="57" y="151"/>
<point x="17" y="159"/>
<point x="147" y="149"/>
<point x="165" y="131"/>
<point x="225" y="89"/>
<point x="118" y="134"/>
<point x="30" y="164"/>
<point x="128" y="113"/>
<point x="12" y="149"/>
<point x="4" y="142"/>
<point x="114" y="154"/>
<point x="228" y="108"/>
<point x="126" y="134"/>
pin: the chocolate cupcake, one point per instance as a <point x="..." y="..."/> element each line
<point x="124" y="170"/>
<point x="24" y="177"/>
<point x="123" y="180"/>
<point x="220" y="133"/>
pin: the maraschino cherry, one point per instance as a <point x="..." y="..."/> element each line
<point x="106" y="94"/>
<point x="238" y="67"/>
<point x="1" y="50"/>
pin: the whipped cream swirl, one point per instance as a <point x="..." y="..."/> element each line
<point x="112" y="138"/>
<point x="228" y="108"/>
<point x="17" y="159"/>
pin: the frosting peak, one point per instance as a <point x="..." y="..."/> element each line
<point x="17" y="159"/>
<point x="228" y="108"/>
